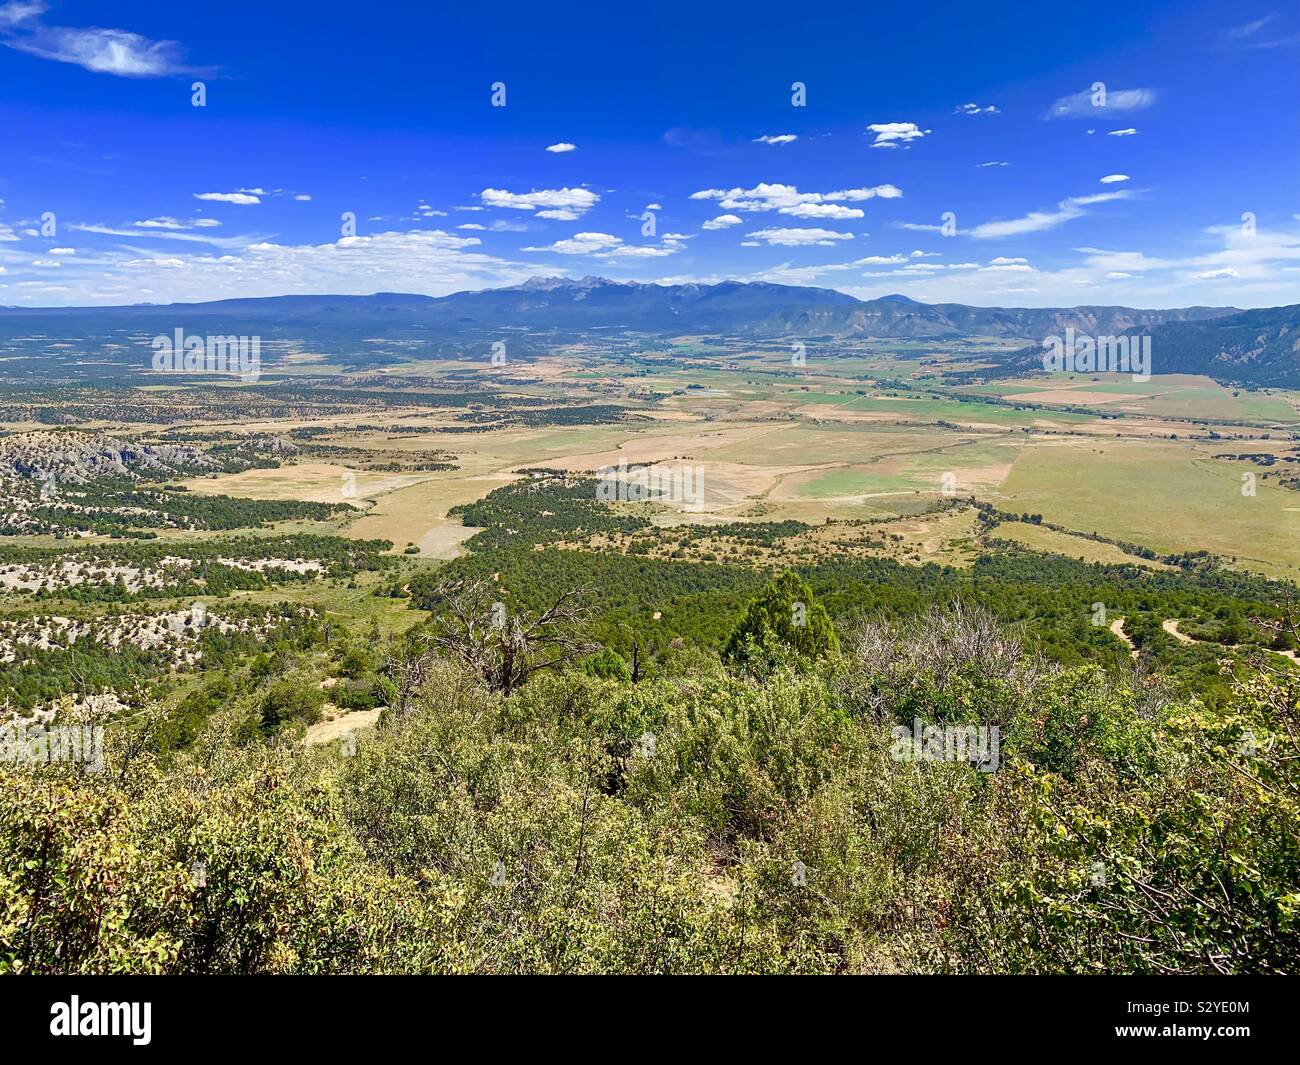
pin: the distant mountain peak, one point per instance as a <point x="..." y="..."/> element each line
<point x="898" y="297"/>
<point x="550" y="284"/>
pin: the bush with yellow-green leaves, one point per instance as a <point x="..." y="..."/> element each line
<point x="703" y="821"/>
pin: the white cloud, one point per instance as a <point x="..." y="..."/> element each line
<point x="110" y="51"/>
<point x="654" y="207"/>
<point x="822" y="210"/>
<point x="425" y="261"/>
<point x="560" y="214"/>
<point x="788" y="200"/>
<point x="1037" y="221"/>
<point x="791" y="238"/>
<point x="169" y="223"/>
<point x="159" y="234"/>
<point x="780" y="138"/>
<point x="302" y="197"/>
<point x="63" y="251"/>
<point x="1129" y="261"/>
<point x="576" y="201"/>
<point x="471" y="225"/>
<point x="1248" y="35"/>
<point x="643" y="251"/>
<point x="894" y="134"/>
<point x="1114" y="179"/>
<point x="245" y="198"/>
<point x="19" y="11"/>
<point x="975" y="109"/>
<point x="1122" y="132"/>
<point x="993" y="163"/>
<point x="563" y="146"/>
<point x="1265" y="266"/>
<point x="608" y="246"/>
<point x="722" y="221"/>
<point x="1249" y="29"/>
<point x="1089" y="103"/>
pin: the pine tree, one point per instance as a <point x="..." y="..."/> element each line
<point x="787" y="610"/>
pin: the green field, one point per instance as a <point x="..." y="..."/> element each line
<point x="1166" y="496"/>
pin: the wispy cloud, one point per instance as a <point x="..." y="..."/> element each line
<point x="104" y="51"/>
<point x="561" y="147"/>
<point x="779" y="138"/>
<point x="1248" y="35"/>
<point x="1037" y="221"/>
<point x="1092" y="103"/>
<point x="792" y="238"/>
<point x="160" y="233"/>
<point x="975" y="109"/>
<point x="20" y="11"/>
<point x="167" y="222"/>
<point x="1250" y="29"/>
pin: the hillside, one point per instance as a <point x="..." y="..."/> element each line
<point x="1256" y="347"/>
<point x="1259" y="347"/>
<point x="791" y="816"/>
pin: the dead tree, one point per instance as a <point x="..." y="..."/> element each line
<point x="505" y="647"/>
<point x="407" y="672"/>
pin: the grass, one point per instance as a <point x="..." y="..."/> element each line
<point x="1164" y="395"/>
<point x="358" y="608"/>
<point x="1038" y="538"/>
<point x="1169" y="496"/>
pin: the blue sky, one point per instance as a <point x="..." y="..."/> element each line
<point x="957" y="154"/>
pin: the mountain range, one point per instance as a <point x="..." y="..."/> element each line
<point x="1255" y="346"/>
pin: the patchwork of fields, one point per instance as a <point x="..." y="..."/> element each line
<point x="868" y="436"/>
<point x="339" y="496"/>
